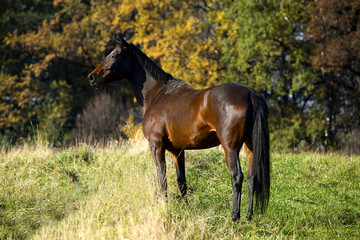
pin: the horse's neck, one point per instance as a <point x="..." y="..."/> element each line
<point x="145" y="87"/>
<point x="152" y="89"/>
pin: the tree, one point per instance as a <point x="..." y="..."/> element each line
<point x="177" y="34"/>
<point x="64" y="48"/>
<point x="16" y="101"/>
<point x="263" y="47"/>
<point x="48" y="48"/>
<point x="334" y="31"/>
<point x="18" y="96"/>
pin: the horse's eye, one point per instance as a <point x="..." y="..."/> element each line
<point x="115" y="55"/>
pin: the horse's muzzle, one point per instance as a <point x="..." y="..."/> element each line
<point x="92" y="81"/>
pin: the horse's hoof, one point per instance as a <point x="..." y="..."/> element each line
<point x="235" y="217"/>
<point x="248" y="216"/>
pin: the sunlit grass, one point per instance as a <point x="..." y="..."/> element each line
<point x="110" y="192"/>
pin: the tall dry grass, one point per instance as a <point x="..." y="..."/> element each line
<point x="126" y="203"/>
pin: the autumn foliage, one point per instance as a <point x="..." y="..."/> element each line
<point x="302" y="56"/>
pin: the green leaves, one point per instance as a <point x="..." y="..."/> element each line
<point x="269" y="54"/>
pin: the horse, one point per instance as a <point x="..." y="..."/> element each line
<point x="177" y="117"/>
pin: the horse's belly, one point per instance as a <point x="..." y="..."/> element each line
<point x="195" y="140"/>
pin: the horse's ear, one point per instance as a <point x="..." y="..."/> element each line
<point x="120" y="41"/>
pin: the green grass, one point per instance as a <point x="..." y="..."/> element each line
<point x="111" y="193"/>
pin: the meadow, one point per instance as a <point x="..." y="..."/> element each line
<point x="111" y="192"/>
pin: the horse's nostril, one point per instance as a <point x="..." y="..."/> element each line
<point x="91" y="77"/>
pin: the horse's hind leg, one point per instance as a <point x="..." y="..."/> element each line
<point x="237" y="177"/>
<point x="179" y="161"/>
<point x="250" y="180"/>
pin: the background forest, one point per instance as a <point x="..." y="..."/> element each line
<point x="302" y="56"/>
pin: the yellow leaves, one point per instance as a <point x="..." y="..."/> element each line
<point x="38" y="68"/>
<point x="220" y="16"/>
<point x="7" y="81"/>
<point x="11" y="39"/>
<point x="15" y="101"/>
<point x="177" y="34"/>
<point x="59" y="3"/>
<point x="57" y="105"/>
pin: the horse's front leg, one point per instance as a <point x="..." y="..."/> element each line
<point x="158" y="153"/>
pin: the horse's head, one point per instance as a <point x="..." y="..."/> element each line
<point x="115" y="66"/>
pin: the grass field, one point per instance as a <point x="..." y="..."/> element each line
<point x="89" y="192"/>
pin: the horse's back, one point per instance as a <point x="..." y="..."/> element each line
<point x="231" y="93"/>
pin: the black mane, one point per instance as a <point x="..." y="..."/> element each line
<point x="151" y="67"/>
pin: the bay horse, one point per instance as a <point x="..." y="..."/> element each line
<point x="177" y="117"/>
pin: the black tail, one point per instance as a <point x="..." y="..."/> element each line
<point x="261" y="154"/>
